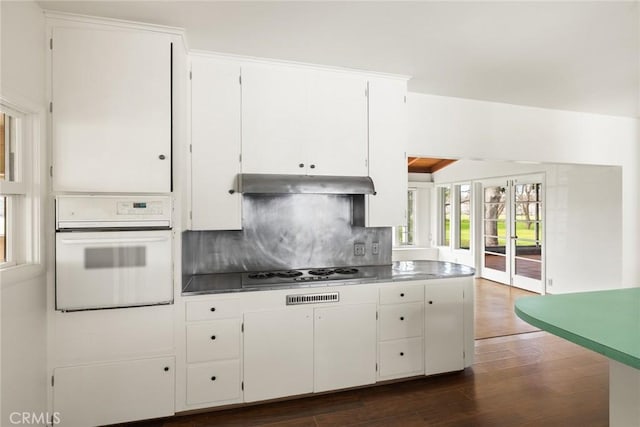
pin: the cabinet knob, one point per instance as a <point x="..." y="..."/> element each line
<point x="401" y="353"/>
<point x="232" y="191"/>
<point x="213" y="378"/>
<point x="402" y="294"/>
<point x="401" y="317"/>
<point x="162" y="157"/>
<point x="166" y="368"/>
<point x="213" y="309"/>
<point x="313" y="166"/>
<point x="213" y="337"/>
<point x="430" y="302"/>
<point x="301" y="165"/>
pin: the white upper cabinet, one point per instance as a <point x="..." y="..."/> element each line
<point x="298" y="120"/>
<point x="387" y="152"/>
<point x="338" y="124"/>
<point x="274" y="119"/>
<point x="215" y="144"/>
<point x="111" y="120"/>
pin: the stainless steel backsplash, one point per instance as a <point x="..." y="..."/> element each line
<point x="288" y="231"/>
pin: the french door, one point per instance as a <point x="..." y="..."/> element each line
<point x="513" y="232"/>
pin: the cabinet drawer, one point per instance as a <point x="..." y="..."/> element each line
<point x="213" y="309"/>
<point x="401" y="321"/>
<point x="401" y="358"/>
<point x="216" y="340"/>
<point x="401" y="293"/>
<point x="215" y="381"/>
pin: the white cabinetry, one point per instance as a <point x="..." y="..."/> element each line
<point x="111" y="117"/>
<point x="213" y="352"/>
<point x="444" y="326"/>
<point x="215" y="144"/>
<point x="278" y="353"/>
<point x="400" y="331"/>
<point x="299" y="120"/>
<point x="117" y="392"/>
<point x="387" y="152"/>
<point x="345" y="346"/>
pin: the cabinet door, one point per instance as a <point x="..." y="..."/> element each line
<point x="387" y="152"/>
<point x="274" y="119"/>
<point x="337" y="124"/>
<point x="278" y="353"/>
<point x="215" y="145"/>
<point x="444" y="327"/>
<point x="345" y="346"/>
<point x="111" y="393"/>
<point x="111" y="120"/>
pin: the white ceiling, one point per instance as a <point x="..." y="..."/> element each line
<point x="581" y="56"/>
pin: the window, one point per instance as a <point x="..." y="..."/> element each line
<point x="405" y="235"/>
<point x="445" y="216"/>
<point x="463" y="216"/>
<point x="18" y="227"/>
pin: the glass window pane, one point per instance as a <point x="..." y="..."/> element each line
<point x="3" y="147"/>
<point x="464" y="220"/>
<point x="446" y="216"/>
<point x="7" y="147"/>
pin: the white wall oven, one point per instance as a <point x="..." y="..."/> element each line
<point x="113" y="251"/>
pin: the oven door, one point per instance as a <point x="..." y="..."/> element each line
<point x="106" y="269"/>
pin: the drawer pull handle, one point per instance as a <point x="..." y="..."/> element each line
<point x="402" y="294"/>
<point x="301" y="165"/>
<point x="401" y="317"/>
<point x="401" y="353"/>
<point x="213" y="337"/>
<point x="430" y="302"/>
<point x="166" y="369"/>
<point x="213" y="378"/>
<point x="213" y="309"/>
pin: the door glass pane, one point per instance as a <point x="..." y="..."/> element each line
<point x="135" y="256"/>
<point x="529" y="230"/>
<point x="494" y="194"/>
<point x="495" y="211"/>
<point x="495" y="262"/>
<point x="529" y="249"/>
<point x="529" y="268"/>
<point x="495" y="228"/>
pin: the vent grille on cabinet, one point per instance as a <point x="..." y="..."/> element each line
<point x="313" y="298"/>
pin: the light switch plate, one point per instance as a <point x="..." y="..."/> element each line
<point x="375" y="248"/>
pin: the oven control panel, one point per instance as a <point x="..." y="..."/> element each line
<point x="152" y="207"/>
<point x="81" y="212"/>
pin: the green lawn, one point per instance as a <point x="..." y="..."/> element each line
<point x="521" y="231"/>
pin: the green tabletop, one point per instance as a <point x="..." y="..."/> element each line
<point x="604" y="321"/>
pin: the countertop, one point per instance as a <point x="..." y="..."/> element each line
<point x="396" y="272"/>
<point x="607" y="322"/>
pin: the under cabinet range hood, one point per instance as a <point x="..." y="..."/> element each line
<point x="252" y="183"/>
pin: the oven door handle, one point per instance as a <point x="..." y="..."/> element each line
<point x="117" y="241"/>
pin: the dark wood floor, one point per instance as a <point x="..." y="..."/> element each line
<point x="526" y="379"/>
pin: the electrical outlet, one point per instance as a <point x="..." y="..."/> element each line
<point x="358" y="249"/>
<point x="375" y="248"/>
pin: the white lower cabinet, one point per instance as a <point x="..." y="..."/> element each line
<point x="345" y="346"/>
<point x="116" y="392"/>
<point x="400" y="331"/>
<point x="444" y="327"/>
<point x="213" y="352"/>
<point x="278" y="353"/>
<point x="213" y="381"/>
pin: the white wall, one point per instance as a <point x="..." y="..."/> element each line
<point x="466" y="129"/>
<point x="583" y="220"/>
<point x="23" y="302"/>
